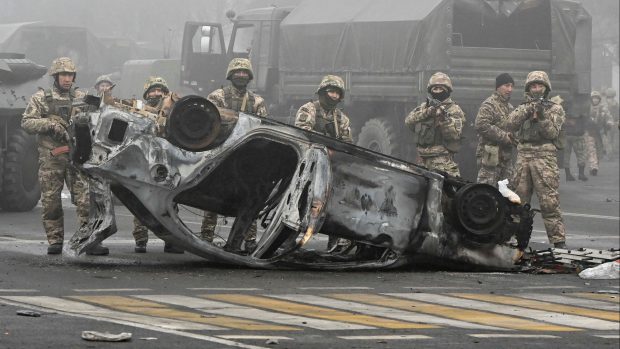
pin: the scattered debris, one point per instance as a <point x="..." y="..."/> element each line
<point x="605" y="271"/>
<point x="272" y="341"/>
<point x="565" y="261"/>
<point x="30" y="313"/>
<point x="106" y="336"/>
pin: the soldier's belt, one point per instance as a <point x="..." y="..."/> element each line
<point x="60" y="150"/>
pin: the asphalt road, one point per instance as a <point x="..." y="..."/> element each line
<point x="183" y="301"/>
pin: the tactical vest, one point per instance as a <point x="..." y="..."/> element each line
<point x="235" y="102"/>
<point x="62" y="108"/>
<point x="427" y="133"/>
<point x="529" y="132"/>
<point x="324" y="126"/>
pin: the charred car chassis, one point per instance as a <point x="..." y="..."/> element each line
<point x="295" y="183"/>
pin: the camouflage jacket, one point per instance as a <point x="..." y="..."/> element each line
<point x="442" y="130"/>
<point x="491" y="122"/>
<point x="39" y="117"/>
<point x="313" y="117"/>
<point x="613" y="110"/>
<point x="600" y="118"/>
<point x="536" y="135"/>
<point x="231" y="98"/>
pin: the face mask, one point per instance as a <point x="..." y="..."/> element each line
<point x="240" y="82"/>
<point x="327" y="102"/>
<point x="441" y="96"/>
<point x="153" y="101"/>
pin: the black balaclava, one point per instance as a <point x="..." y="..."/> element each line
<point x="441" y="96"/>
<point x="326" y="101"/>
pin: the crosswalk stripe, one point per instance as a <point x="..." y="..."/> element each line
<point x="578" y="302"/>
<point x="155" y="309"/>
<point x="568" y="320"/>
<point x="383" y="311"/>
<point x="504" y="336"/>
<point x="315" y="312"/>
<point x="392" y="337"/>
<point x="534" y="304"/>
<point x="73" y="307"/>
<point x="221" y="308"/>
<point x="614" y="298"/>
<point x="468" y="315"/>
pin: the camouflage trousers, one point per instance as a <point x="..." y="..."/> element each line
<point x="140" y="231"/>
<point x="492" y="174"/>
<point x="441" y="163"/>
<point x="611" y="142"/>
<point x="538" y="172"/>
<point x="578" y="145"/>
<point x="594" y="151"/>
<point x="209" y="222"/>
<point x="54" y="173"/>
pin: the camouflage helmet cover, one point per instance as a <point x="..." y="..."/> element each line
<point x="610" y="92"/>
<point x="557" y="99"/>
<point x="332" y="81"/>
<point x="62" y="65"/>
<point x="103" y="78"/>
<point x="155" y="81"/>
<point x="239" y="64"/>
<point x="540" y="77"/>
<point x="439" y="79"/>
<point x="595" y="94"/>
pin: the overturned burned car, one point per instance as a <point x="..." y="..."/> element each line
<point x="300" y="186"/>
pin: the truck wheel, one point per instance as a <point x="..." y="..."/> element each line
<point x="20" y="182"/>
<point x="378" y="135"/>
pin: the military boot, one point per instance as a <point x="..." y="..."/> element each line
<point x="169" y="248"/>
<point x="55" y="248"/>
<point x="560" y="244"/>
<point x="250" y="245"/>
<point x="594" y="171"/>
<point x="140" y="247"/>
<point x="569" y="176"/>
<point x="582" y="173"/>
<point x="98" y="250"/>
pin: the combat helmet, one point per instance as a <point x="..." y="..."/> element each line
<point x="539" y="77"/>
<point x="155" y="81"/>
<point x="239" y="64"/>
<point x="103" y="78"/>
<point x="595" y="94"/>
<point x="332" y="81"/>
<point x="610" y="93"/>
<point x="439" y="79"/>
<point x="62" y="65"/>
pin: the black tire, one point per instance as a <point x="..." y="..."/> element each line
<point x="378" y="135"/>
<point x="20" y="182"/>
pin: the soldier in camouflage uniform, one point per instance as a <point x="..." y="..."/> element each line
<point x="48" y="116"/>
<point x="574" y="140"/>
<point x="103" y="83"/>
<point x="495" y="144"/>
<point x="323" y="116"/>
<point x="599" y="123"/>
<point x="438" y="125"/>
<point x="237" y="97"/>
<point x="537" y="123"/>
<point x="612" y="135"/>
<point x="155" y="91"/>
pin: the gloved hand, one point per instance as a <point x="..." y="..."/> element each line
<point x="57" y="131"/>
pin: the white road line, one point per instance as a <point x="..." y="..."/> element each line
<point x="221" y="308"/>
<point x="550" y="287"/>
<point x="545" y="316"/>
<point x="385" y="312"/>
<point x="335" y="288"/>
<point x="17" y="290"/>
<point x="149" y="327"/>
<point x="111" y="289"/>
<point x="608" y="336"/>
<point x="397" y="337"/>
<point x="280" y="338"/>
<point x="100" y="313"/>
<point x="223" y="289"/>
<point x="437" y="288"/>
<point x="500" y="335"/>
<point x="570" y="214"/>
<point x="573" y="301"/>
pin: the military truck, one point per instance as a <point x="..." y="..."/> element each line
<point x="387" y="50"/>
<point x="19" y="160"/>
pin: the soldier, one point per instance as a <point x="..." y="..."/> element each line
<point x="155" y="89"/>
<point x="103" y="83"/>
<point x="612" y="135"/>
<point x="494" y="152"/>
<point x="599" y="123"/>
<point x="537" y="124"/>
<point x="323" y="116"/>
<point x="237" y="97"/>
<point x="574" y="140"/>
<point x="438" y="125"/>
<point x="48" y="116"/>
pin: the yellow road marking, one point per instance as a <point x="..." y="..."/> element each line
<point x="614" y="298"/>
<point x="138" y="306"/>
<point x="533" y="304"/>
<point x="468" y="315"/>
<point x="314" y="311"/>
